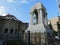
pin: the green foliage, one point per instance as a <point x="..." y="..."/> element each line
<point x="58" y="31"/>
<point x="55" y="33"/>
<point x="50" y="26"/>
<point x="58" y="27"/>
<point x="15" y="42"/>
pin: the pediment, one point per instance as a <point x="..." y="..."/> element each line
<point x="37" y="6"/>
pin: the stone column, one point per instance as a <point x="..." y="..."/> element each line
<point x="31" y="19"/>
<point x="40" y="14"/>
<point x="28" y="38"/>
<point x="46" y="20"/>
<point x="43" y="39"/>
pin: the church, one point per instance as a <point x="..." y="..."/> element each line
<point x="11" y="27"/>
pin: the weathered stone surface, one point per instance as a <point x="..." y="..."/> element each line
<point x="38" y="25"/>
<point x="42" y="25"/>
<point x="54" y="21"/>
<point x="11" y="28"/>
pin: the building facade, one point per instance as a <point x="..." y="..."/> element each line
<point x="11" y="27"/>
<point x="55" y="23"/>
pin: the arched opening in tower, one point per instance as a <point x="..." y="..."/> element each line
<point x="35" y="17"/>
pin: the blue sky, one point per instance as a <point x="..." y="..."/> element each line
<point x="21" y="8"/>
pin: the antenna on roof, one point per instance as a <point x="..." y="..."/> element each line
<point x="58" y="5"/>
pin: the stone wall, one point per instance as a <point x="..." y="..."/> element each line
<point x="11" y="28"/>
<point x="39" y="38"/>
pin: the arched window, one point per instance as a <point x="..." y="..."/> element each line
<point x="23" y="31"/>
<point x="35" y="17"/>
<point x="6" y="30"/>
<point x="11" y="31"/>
<point x="15" y="31"/>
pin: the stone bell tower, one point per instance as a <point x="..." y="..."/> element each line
<point x="38" y="24"/>
<point x="38" y="18"/>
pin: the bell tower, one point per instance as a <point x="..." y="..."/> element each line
<point x="38" y="24"/>
<point x="38" y="18"/>
<point x="38" y="15"/>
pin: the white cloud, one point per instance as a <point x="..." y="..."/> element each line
<point x="2" y="11"/>
<point x="10" y="0"/>
<point x="24" y="1"/>
<point x="18" y="2"/>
